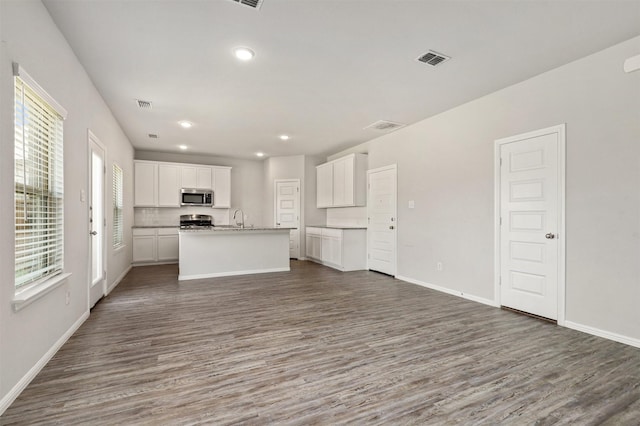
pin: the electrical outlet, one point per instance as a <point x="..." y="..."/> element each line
<point x="439" y="266"/>
<point x="67" y="298"/>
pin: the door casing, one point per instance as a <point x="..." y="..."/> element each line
<point x="560" y="130"/>
<point x="394" y="169"/>
<point x="300" y="210"/>
<point x="92" y="139"/>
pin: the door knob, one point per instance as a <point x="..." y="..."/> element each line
<point x="550" y="236"/>
<point x="94" y="232"/>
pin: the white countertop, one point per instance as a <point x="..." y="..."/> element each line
<point x="154" y="226"/>
<point x="336" y="227"/>
<point x="223" y="228"/>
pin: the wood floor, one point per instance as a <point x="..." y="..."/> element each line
<point x="318" y="346"/>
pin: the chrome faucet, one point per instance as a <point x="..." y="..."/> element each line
<point x="241" y="217"/>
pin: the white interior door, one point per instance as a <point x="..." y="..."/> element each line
<point x="382" y="219"/>
<point x="97" y="222"/>
<point x="531" y="200"/>
<point x="287" y="214"/>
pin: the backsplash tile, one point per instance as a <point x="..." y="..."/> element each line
<point x="153" y="216"/>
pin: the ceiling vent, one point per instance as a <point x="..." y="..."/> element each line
<point x="143" y="104"/>
<point x="433" y="58"/>
<point x="153" y="136"/>
<point x="254" y="4"/>
<point x="384" y="126"/>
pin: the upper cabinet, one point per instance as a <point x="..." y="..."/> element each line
<point x="324" y="190"/>
<point x="169" y="185"/>
<point x="222" y="187"/>
<point x="197" y="177"/>
<point x="342" y="182"/>
<point x="145" y="187"/>
<point x="158" y="184"/>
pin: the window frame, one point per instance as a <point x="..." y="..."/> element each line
<point x="32" y="289"/>
<point x="117" y="233"/>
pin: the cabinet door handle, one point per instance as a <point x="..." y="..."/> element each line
<point x="392" y="227"/>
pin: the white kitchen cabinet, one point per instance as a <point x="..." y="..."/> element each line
<point x="145" y="188"/>
<point x="314" y="243"/>
<point x="343" y="249"/>
<point x="155" y="245"/>
<point x="332" y="247"/>
<point x="204" y="178"/>
<point x="169" y="185"/>
<point x="189" y="177"/>
<point x="342" y="182"/>
<point x="167" y="244"/>
<point x="324" y="192"/>
<point x="197" y="177"/>
<point x="144" y="245"/>
<point x="158" y="184"/>
<point x="222" y="187"/>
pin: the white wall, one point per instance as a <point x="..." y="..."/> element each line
<point x="246" y="180"/>
<point x="347" y="216"/>
<point x="30" y="38"/>
<point x="445" y="163"/>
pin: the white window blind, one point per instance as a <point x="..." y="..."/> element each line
<point x="39" y="186"/>
<point x="118" y="219"/>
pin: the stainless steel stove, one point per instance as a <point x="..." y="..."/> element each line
<point x="196" y="221"/>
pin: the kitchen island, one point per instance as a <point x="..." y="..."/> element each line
<point x="225" y="251"/>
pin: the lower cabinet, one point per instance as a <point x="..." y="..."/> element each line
<point x="314" y="243"/>
<point x="155" y="245"/>
<point x="342" y="249"/>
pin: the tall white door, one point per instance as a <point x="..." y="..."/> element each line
<point x="530" y="221"/>
<point x="287" y="212"/>
<point x="97" y="222"/>
<point x="382" y="219"/>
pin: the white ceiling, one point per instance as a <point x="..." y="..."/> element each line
<point x="324" y="69"/>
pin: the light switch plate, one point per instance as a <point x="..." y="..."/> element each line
<point x="83" y="196"/>
<point x="412" y="204"/>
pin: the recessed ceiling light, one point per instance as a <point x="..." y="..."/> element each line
<point x="182" y="147"/>
<point x="244" y="53"/>
<point x="260" y="154"/>
<point x="284" y="137"/>
<point x="185" y="124"/>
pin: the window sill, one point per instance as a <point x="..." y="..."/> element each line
<point x="26" y="297"/>
<point x="119" y="248"/>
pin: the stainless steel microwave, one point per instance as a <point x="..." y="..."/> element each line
<point x="196" y="197"/>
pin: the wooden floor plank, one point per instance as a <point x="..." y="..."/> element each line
<point x="318" y="346"/>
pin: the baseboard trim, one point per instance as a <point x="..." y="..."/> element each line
<point x="163" y="262"/>
<point x="118" y="280"/>
<point x="11" y="396"/>
<point x="231" y="273"/>
<point x="448" y="291"/>
<point x="602" y="333"/>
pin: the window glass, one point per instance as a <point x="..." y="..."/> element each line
<point x="39" y="187"/>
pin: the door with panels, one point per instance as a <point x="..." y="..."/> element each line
<point x="530" y="221"/>
<point x="287" y="212"/>
<point x="382" y="219"/>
